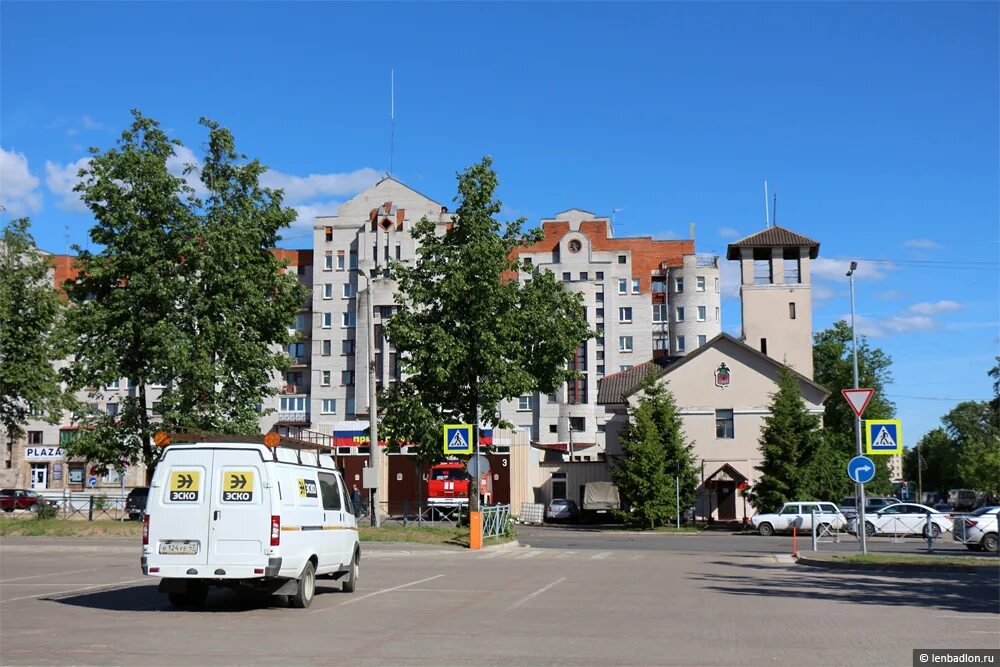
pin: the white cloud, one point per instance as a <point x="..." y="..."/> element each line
<point x="929" y="308"/>
<point x="922" y="244"/>
<point x="61" y="179"/>
<point x="178" y="162"/>
<point x="729" y="278"/>
<point x="18" y="186"/>
<point x="90" y="124"/>
<point x="821" y="292"/>
<point x="299" y="189"/>
<point x="729" y="233"/>
<point x="865" y="326"/>
<point x="309" y="212"/>
<point x="836" y="269"/>
<point x="904" y="324"/>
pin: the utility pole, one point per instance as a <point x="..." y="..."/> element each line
<point x="860" y="488"/>
<point x="373" y="458"/>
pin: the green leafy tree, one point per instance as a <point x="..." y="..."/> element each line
<point x="469" y="335"/>
<point x="976" y="439"/>
<point x="825" y="474"/>
<point x="30" y="315"/>
<point x="655" y="454"/>
<point x="789" y="442"/>
<point x="182" y="293"/>
<point x="939" y="465"/>
<point x="833" y="367"/>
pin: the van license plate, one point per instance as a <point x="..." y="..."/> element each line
<point x="182" y="548"/>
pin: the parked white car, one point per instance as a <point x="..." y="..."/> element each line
<point x="978" y="531"/>
<point x="904" y="519"/>
<point x="800" y="515"/>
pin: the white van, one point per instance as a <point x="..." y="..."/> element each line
<point x="248" y="516"/>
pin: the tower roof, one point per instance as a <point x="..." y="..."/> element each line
<point x="770" y="238"/>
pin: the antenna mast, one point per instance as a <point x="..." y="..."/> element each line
<point x="392" y="117"/>
<point x="767" y="216"/>
<point x="774" y="216"/>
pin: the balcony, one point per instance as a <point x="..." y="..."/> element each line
<point x="300" y="361"/>
<point x="293" y="417"/>
<point x="295" y="389"/>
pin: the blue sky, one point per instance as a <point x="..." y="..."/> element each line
<point x="877" y="124"/>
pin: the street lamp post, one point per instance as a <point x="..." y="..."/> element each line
<point x="859" y="488"/>
<point x="373" y="460"/>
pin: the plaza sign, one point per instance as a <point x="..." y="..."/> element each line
<point x="43" y="454"/>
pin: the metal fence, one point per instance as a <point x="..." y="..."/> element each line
<point x="81" y="506"/>
<point x="496" y="521"/>
<point x="935" y="528"/>
<point x="404" y="513"/>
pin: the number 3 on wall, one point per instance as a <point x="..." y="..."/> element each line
<point x="504" y="462"/>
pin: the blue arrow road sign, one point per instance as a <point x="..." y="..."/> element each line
<point x="861" y="469"/>
<point x="92" y="482"/>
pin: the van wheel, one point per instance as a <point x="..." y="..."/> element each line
<point x="307" y="588"/>
<point x="350" y="582"/>
<point x="766" y="529"/>
<point x="824" y="529"/>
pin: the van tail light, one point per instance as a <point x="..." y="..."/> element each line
<point x="275" y="530"/>
<point x="145" y="530"/>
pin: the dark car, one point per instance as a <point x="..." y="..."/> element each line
<point x="22" y="499"/>
<point x="135" y="503"/>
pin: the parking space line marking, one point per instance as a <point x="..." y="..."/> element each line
<point x="492" y="555"/>
<point x="566" y="554"/>
<point x="985" y="632"/>
<point x="56" y="574"/>
<point x="527" y="598"/>
<point x="600" y="556"/>
<point x="111" y="586"/>
<point x="530" y="554"/>
<point x="380" y="592"/>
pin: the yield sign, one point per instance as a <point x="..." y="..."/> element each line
<point x="858" y="399"/>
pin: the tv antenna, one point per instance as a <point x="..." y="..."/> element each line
<point x="767" y="216"/>
<point x="613" y="211"/>
<point x="392" y="117"/>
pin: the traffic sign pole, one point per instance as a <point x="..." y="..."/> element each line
<point x="860" y="495"/>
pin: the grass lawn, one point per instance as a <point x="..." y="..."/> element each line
<point x="106" y="528"/>
<point x="905" y="559"/>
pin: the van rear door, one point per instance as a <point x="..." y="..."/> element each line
<point x="179" y="506"/>
<point x="241" y="508"/>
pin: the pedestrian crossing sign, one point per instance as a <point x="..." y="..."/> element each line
<point x="458" y="439"/>
<point x="884" y="436"/>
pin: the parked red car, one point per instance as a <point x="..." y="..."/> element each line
<point x="21" y="499"/>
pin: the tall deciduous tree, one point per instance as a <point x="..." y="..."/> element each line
<point x="655" y="456"/>
<point x="789" y="442"/>
<point x="30" y="314"/>
<point x="182" y="293"/>
<point x="833" y="365"/>
<point x="975" y="435"/>
<point x="470" y="336"/>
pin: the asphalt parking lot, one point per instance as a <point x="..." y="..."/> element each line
<point x="85" y="602"/>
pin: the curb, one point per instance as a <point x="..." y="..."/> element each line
<point x="513" y="544"/>
<point x="894" y="567"/>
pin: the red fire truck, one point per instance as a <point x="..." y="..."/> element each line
<point x="448" y="485"/>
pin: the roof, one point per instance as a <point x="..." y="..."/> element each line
<point x="627" y="383"/>
<point x="770" y="238"/>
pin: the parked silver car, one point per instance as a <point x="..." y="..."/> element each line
<point x="799" y="515"/>
<point x="904" y="519"/>
<point x="978" y="531"/>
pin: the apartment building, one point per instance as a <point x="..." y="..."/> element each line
<point x="645" y="298"/>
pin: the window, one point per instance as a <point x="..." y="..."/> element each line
<point x="567" y="276"/>
<point x="600" y="297"/>
<point x="340" y="260"/>
<point x="622" y="259"/>
<point x="524" y="403"/>
<point x="679" y="314"/>
<point x="348" y="319"/>
<point x="625" y="343"/>
<point x="553" y="397"/>
<point x="114" y="385"/>
<point x="623" y="286"/>
<point x="296" y="350"/>
<point x="328" y="261"/>
<point x="600" y="275"/>
<point x="576" y="386"/>
<point x="67" y="436"/>
<point x="327" y="348"/>
<point x="155" y="408"/>
<point x="329" y="406"/>
<point x="716" y="285"/>
<point x="328" y="291"/>
<point x="659" y="285"/>
<point x="575" y="246"/>
<point x="600" y="355"/>
<point x="701" y="313"/>
<point x="329" y="490"/>
<point x="350" y="291"/>
<point x="578" y="424"/>
<point x="350" y="406"/>
<point x="678" y="285"/>
<point x="75" y="474"/>
<point x="112" y="409"/>
<point x="790" y="509"/>
<point x="293" y="378"/>
<point x="553" y="428"/>
<point x="659" y="312"/>
<point x="584" y="275"/>
<point x="791" y="265"/>
<point x="724" y="424"/>
<point x="702" y="339"/>
<point x="716" y="313"/>
<point x="762" y="267"/>
<point x="599" y="313"/>
<point x="699" y="284"/>
<point x="347" y="377"/>
<point x="600" y="369"/>
<point x="528" y="262"/>
<point x="302" y="322"/>
<point x="327" y="320"/>
<point x="763" y="345"/>
<point x="791" y="310"/>
<point x="354" y="260"/>
<point x="680" y="343"/>
<point x="625" y="314"/>
<point x="325" y="378"/>
<point x="292" y="404"/>
<point x="661" y="343"/>
<point x="328" y="234"/>
<point x="601" y="428"/>
<point x="624" y="367"/>
<point x="635" y="286"/>
<point x="347" y="346"/>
